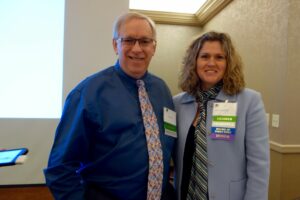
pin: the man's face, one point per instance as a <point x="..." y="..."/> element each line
<point x="135" y="57"/>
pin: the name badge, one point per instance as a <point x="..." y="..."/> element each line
<point x="224" y="120"/>
<point x="170" y="122"/>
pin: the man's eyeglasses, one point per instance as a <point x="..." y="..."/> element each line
<point x="130" y="42"/>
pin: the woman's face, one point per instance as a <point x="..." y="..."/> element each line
<point x="211" y="64"/>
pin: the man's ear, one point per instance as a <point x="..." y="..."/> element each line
<point x="115" y="46"/>
<point x="154" y="49"/>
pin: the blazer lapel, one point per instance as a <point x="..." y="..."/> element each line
<point x="189" y="106"/>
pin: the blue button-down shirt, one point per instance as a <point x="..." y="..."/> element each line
<point x="100" y="138"/>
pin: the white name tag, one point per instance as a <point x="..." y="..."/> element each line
<point x="224" y="120"/>
<point x="170" y="122"/>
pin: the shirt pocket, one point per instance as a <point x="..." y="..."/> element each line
<point x="237" y="189"/>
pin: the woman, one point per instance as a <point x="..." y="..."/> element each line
<point x="222" y="149"/>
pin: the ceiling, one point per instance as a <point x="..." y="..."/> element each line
<point x="178" y="6"/>
<point x="204" y="12"/>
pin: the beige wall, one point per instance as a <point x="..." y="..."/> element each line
<point x="290" y="107"/>
<point x="285" y="176"/>
<point x="260" y="32"/>
<point x="266" y="33"/>
<point x="172" y="41"/>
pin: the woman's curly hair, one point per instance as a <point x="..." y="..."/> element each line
<point x="233" y="80"/>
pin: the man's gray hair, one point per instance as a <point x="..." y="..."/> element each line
<point x="132" y="15"/>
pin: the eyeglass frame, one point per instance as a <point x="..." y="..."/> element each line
<point x="130" y="42"/>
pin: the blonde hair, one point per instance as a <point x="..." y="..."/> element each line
<point x="233" y="80"/>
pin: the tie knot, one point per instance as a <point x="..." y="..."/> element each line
<point x="140" y="83"/>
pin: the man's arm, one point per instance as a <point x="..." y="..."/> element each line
<point x="68" y="152"/>
<point x="64" y="183"/>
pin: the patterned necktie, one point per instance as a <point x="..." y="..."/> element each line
<point x="155" y="175"/>
<point x="198" y="182"/>
<point x="198" y="185"/>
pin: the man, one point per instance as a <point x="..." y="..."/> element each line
<point x="100" y="149"/>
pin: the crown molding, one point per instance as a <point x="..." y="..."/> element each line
<point x="200" y="18"/>
<point x="210" y="9"/>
